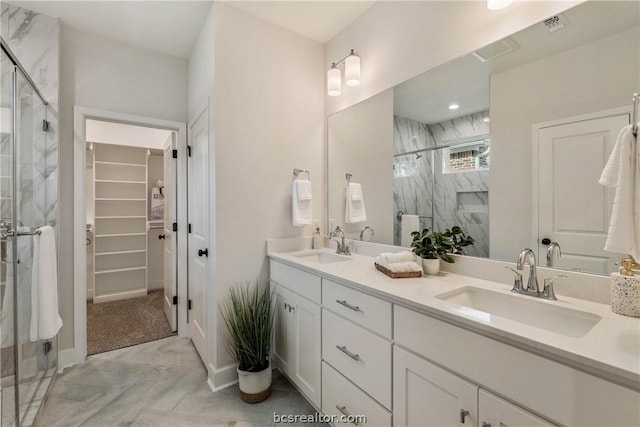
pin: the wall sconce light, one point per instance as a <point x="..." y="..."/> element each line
<point x="498" y="4"/>
<point x="351" y="74"/>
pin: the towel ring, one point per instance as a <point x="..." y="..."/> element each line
<point x="348" y="177"/>
<point x="297" y="172"/>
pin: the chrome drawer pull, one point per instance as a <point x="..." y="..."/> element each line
<point x="343" y="348"/>
<point x="346" y="304"/>
<point x="343" y="410"/>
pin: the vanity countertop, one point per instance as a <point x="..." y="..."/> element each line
<point x="610" y="350"/>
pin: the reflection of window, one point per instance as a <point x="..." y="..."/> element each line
<point x="472" y="156"/>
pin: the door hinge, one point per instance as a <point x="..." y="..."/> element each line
<point x="189" y="229"/>
<point x="175" y="226"/>
<point x="175" y="300"/>
<point x="174" y="154"/>
<point x="189" y="150"/>
<point x="189" y="305"/>
<point x="45" y="125"/>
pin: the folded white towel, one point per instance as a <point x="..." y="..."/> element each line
<point x="622" y="171"/>
<point x="305" y="191"/>
<point x="23" y="289"/>
<point x="393" y="257"/>
<point x="45" y="320"/>
<point x="404" y="267"/>
<point x="301" y="209"/>
<point x="354" y="210"/>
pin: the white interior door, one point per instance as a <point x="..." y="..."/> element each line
<point x="198" y="219"/>
<point x="170" y="237"/>
<point x="574" y="210"/>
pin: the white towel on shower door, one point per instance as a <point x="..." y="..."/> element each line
<point x="622" y="171"/>
<point x="45" y="320"/>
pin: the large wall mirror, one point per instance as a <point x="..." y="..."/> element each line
<point x="507" y="142"/>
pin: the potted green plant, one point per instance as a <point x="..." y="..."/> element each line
<point x="248" y="314"/>
<point x="435" y="246"/>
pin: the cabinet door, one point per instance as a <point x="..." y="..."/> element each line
<point x="306" y="350"/>
<point x="496" y="412"/>
<point x="427" y="395"/>
<point x="282" y="337"/>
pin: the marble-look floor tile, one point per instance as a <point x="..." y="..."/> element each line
<point x="161" y="383"/>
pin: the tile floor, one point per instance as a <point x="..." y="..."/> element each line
<point x="160" y="383"/>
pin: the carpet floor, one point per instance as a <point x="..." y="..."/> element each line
<point x="118" y="324"/>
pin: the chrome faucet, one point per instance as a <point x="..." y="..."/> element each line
<point x="553" y="250"/>
<point x="343" y="247"/>
<point x="527" y="255"/>
<point x="548" y="292"/>
<point x="364" y="230"/>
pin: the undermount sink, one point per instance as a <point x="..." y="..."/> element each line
<point x="522" y="309"/>
<point x="322" y="257"/>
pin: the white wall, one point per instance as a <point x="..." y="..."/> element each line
<point x="269" y="109"/>
<point x="123" y="134"/>
<point x="104" y="74"/>
<point x="398" y="40"/>
<point x="590" y="78"/>
<point x="360" y="142"/>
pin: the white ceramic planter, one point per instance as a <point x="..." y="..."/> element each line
<point x="254" y="386"/>
<point x="430" y="266"/>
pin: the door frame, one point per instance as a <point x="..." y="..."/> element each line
<point x="535" y="157"/>
<point x="80" y="116"/>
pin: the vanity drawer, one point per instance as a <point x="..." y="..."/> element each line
<point x="304" y="284"/>
<point x="359" y="355"/>
<point x="370" y="312"/>
<point x="338" y="392"/>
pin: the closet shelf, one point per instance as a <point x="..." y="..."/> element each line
<point x="120" y="235"/>
<point x="121" y="217"/>
<point x="115" y="199"/>
<point x="117" y="181"/>
<point x="119" y="270"/>
<point x="137" y="251"/>
<point x="137" y="165"/>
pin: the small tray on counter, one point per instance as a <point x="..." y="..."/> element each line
<point x="404" y="275"/>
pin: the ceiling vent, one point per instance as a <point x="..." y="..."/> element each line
<point x="496" y="49"/>
<point x="556" y="23"/>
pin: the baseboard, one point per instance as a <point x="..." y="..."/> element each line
<point x="222" y="378"/>
<point x="119" y="296"/>
<point x="66" y="359"/>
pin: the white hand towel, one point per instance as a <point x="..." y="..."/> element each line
<point x="622" y="171"/>
<point x="404" y="267"/>
<point x="23" y="290"/>
<point x="354" y="210"/>
<point x="302" y="209"/>
<point x="45" y="320"/>
<point x="395" y="257"/>
<point x="409" y="224"/>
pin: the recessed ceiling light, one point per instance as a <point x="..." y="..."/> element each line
<point x="486" y="120"/>
<point x="454" y="107"/>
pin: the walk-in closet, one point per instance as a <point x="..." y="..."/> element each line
<point x="125" y="194"/>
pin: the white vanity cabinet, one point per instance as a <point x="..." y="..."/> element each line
<point x="296" y="344"/>
<point x="496" y="412"/>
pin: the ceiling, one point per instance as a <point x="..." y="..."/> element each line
<point x="465" y="81"/>
<point x="169" y="27"/>
<point x="319" y="20"/>
<point x="172" y="27"/>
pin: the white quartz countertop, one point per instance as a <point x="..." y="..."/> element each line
<point x="610" y="350"/>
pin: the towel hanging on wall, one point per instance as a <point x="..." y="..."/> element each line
<point x="622" y="172"/>
<point x="355" y="210"/>
<point x="301" y="202"/>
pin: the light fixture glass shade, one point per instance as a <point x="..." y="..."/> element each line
<point x="498" y="4"/>
<point x="352" y="70"/>
<point x="334" y="81"/>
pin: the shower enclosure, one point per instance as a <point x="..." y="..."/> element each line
<point x="28" y="194"/>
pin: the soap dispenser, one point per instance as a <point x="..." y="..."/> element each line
<point x="317" y="239"/>
<point x="625" y="289"/>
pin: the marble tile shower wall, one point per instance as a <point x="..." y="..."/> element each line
<point x="34" y="39"/>
<point x="420" y="187"/>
